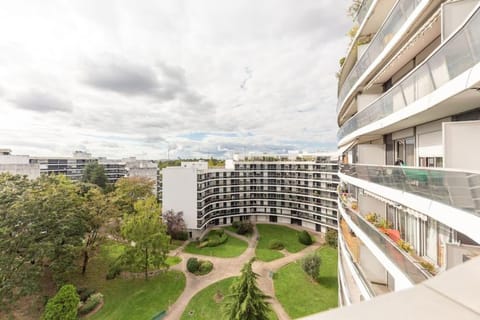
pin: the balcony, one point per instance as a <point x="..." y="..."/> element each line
<point x="395" y="20"/>
<point x="454" y="188"/>
<point x="397" y="257"/>
<point x="362" y="11"/>
<point x="456" y="55"/>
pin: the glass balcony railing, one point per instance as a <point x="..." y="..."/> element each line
<point x="397" y="17"/>
<point x="362" y="11"/>
<point x="454" y="188"/>
<point x="456" y="55"/>
<point x="412" y="270"/>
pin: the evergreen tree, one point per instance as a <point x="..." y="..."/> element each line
<point x="95" y="173"/>
<point x="246" y="301"/>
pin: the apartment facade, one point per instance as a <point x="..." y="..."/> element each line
<point x="409" y="121"/>
<point x="301" y="192"/>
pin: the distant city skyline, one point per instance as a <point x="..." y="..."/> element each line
<point x="173" y="78"/>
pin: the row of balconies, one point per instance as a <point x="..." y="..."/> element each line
<point x="284" y="203"/>
<point x="396" y="19"/>
<point x="271" y="194"/>
<point x="457" y="54"/>
<point x="212" y="191"/>
<point x="329" y="221"/>
<point x="310" y="175"/>
<point x="262" y="184"/>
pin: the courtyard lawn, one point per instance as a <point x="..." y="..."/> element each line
<point x="128" y="299"/>
<point x="207" y="304"/>
<point x="268" y="232"/>
<point x="232" y="229"/>
<point x="232" y="248"/>
<point x="312" y="297"/>
<point x="174" y="244"/>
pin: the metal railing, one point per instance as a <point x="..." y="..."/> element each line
<point x="397" y="17"/>
<point x="411" y="269"/>
<point x="362" y="11"/>
<point x="454" y="188"/>
<point x="459" y="53"/>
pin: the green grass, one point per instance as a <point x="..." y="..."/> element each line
<point x="311" y="297"/>
<point x="128" y="299"/>
<point x="203" y="305"/>
<point x="268" y="232"/>
<point x="175" y="244"/>
<point x="232" y="248"/>
<point x="173" y="260"/>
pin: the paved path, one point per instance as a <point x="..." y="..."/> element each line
<point x="229" y="267"/>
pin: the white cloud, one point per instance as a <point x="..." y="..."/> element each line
<point x="122" y="78"/>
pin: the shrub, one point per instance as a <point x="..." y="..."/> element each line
<point x="113" y="271"/>
<point x="205" y="267"/>
<point x="216" y="241"/>
<point x="245" y="227"/>
<point x="63" y="305"/>
<point x="192" y="265"/>
<point x="91" y="303"/>
<point x="305" y="238"/>
<point x="311" y="265"/>
<point x="331" y="238"/>
<point x="85" y="293"/>
<point x="275" y="244"/>
<point x="236" y="224"/>
<point x="220" y="232"/>
<point x="182" y="235"/>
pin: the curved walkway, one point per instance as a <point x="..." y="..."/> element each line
<point x="230" y="267"/>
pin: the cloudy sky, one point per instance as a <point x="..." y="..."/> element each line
<point x="188" y="77"/>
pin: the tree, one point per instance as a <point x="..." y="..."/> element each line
<point x="176" y="227"/>
<point x="148" y="234"/>
<point x="63" y="306"/>
<point x="331" y="238"/>
<point x="130" y="190"/>
<point x="311" y="265"/>
<point x="95" y="173"/>
<point x="99" y="208"/>
<point x="41" y="228"/>
<point x="246" y="301"/>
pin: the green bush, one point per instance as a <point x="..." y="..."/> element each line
<point x="245" y="227"/>
<point x="275" y="244"/>
<point x="305" y="238"/>
<point x="236" y="224"/>
<point x="331" y="238"/>
<point x="220" y="232"/>
<point x="63" y="305"/>
<point x="214" y="239"/>
<point x="193" y="265"/>
<point x="91" y="303"/>
<point x="113" y="271"/>
<point x="205" y="267"/>
<point x="311" y="265"/>
<point x="85" y="293"/>
<point x="182" y="235"/>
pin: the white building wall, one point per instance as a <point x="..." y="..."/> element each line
<point x="181" y="193"/>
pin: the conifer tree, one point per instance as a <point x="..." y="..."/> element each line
<point x="246" y="301"/>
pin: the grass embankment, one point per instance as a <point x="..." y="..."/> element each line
<point x="268" y="232"/>
<point x="311" y="297"/>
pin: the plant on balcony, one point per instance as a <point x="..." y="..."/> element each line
<point x="430" y="267"/>
<point x="372" y="217"/>
<point x="407" y="247"/>
<point x="383" y="224"/>
<point x="354" y="205"/>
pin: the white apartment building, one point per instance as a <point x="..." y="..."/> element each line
<point x="301" y="192"/>
<point x="409" y="117"/>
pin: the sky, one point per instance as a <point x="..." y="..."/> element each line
<point x="171" y="78"/>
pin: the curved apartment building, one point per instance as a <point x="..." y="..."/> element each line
<point x="409" y="117"/>
<point x="301" y="192"/>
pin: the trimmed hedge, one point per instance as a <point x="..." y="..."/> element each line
<point x="275" y="244"/>
<point x="214" y="239"/>
<point x="193" y="265"/>
<point x="305" y="238"/>
<point x="205" y="267"/>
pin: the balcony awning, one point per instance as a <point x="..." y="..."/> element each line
<point x="346" y="147"/>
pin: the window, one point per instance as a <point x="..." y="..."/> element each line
<point x="405" y="150"/>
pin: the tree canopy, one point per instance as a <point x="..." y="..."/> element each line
<point x="148" y="236"/>
<point x="130" y="190"/>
